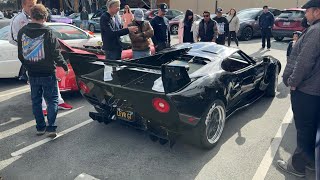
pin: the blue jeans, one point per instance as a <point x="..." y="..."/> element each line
<point x="85" y="24"/>
<point x="48" y="88"/>
<point x="141" y="54"/>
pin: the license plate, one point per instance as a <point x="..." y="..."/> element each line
<point x="286" y="23"/>
<point x="127" y="115"/>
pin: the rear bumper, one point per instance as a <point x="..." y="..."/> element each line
<point x="283" y="33"/>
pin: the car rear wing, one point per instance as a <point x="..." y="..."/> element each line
<point x="174" y="75"/>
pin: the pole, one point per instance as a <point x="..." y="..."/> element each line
<point x="216" y="6"/>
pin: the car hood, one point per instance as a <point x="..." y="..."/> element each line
<point x="81" y="42"/>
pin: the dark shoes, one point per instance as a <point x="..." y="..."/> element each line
<point x="288" y="168"/>
<point x="52" y="134"/>
<point x="41" y="132"/>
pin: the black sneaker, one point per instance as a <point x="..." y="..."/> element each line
<point x="287" y="167"/>
<point x="41" y="132"/>
<point x="52" y="134"/>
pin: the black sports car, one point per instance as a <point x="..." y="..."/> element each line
<point x="186" y="91"/>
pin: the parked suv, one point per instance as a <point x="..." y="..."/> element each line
<point x="288" y="22"/>
<point x="249" y="22"/>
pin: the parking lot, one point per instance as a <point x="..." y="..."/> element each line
<point x="253" y="139"/>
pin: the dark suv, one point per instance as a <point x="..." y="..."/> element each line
<point x="249" y="22"/>
<point x="288" y="22"/>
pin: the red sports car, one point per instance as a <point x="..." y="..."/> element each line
<point x="68" y="82"/>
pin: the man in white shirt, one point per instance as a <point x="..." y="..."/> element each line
<point x="16" y="24"/>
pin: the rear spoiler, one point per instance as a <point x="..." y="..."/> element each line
<point x="174" y="76"/>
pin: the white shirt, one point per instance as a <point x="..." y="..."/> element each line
<point x="16" y="24"/>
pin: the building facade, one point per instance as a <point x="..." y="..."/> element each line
<point x="198" y="6"/>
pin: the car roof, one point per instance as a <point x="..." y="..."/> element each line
<point x="295" y="9"/>
<point x="208" y="50"/>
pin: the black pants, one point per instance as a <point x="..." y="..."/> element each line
<point x="162" y="45"/>
<point x="232" y="34"/>
<point x="306" y="115"/>
<point x="266" y="34"/>
<point x="221" y="39"/>
<point x="113" y="55"/>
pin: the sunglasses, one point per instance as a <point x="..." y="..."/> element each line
<point x="206" y="15"/>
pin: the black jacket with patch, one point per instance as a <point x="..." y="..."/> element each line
<point x="39" y="50"/>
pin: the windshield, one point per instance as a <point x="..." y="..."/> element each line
<point x="66" y="32"/>
<point x="292" y="14"/>
<point x="248" y="14"/>
<point x="4" y="32"/>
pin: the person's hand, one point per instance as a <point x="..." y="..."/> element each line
<point x="293" y="88"/>
<point x="133" y="28"/>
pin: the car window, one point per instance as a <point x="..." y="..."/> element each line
<point x="249" y="14"/>
<point x="176" y="13"/>
<point x="235" y="62"/>
<point x="288" y="14"/>
<point x="66" y="32"/>
<point x="276" y="12"/>
<point x="4" y="33"/>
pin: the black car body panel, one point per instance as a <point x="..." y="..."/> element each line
<point x="189" y="77"/>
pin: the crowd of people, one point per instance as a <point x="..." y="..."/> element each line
<point x="301" y="74"/>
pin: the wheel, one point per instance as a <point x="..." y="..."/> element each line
<point x="92" y="28"/>
<point x="174" y="29"/>
<point x="278" y="38"/>
<point x="211" y="126"/>
<point x="247" y="33"/>
<point x="272" y="87"/>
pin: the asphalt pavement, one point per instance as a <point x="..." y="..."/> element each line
<point x="253" y="139"/>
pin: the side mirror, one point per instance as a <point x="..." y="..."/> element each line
<point x="266" y="59"/>
<point x="257" y="17"/>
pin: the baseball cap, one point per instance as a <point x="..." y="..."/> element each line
<point x="311" y="4"/>
<point x="164" y="7"/>
<point x="138" y="15"/>
<point x="219" y="10"/>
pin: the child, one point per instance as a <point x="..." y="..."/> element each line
<point x="296" y="36"/>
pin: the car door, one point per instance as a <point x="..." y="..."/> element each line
<point x="243" y="73"/>
<point x="9" y="62"/>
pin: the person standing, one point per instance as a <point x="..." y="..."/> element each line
<point x="16" y="24"/>
<point x="84" y="17"/>
<point x="111" y="30"/>
<point x="127" y="16"/>
<point x="234" y="26"/>
<point x="160" y="25"/>
<point x="302" y="75"/>
<point x="207" y="30"/>
<point x="266" y="21"/>
<point x="223" y="27"/>
<point x="62" y="12"/>
<point x="40" y="62"/>
<point x="185" y="33"/>
<point x="141" y="39"/>
<point x="296" y="36"/>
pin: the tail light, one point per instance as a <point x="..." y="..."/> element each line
<point x="83" y="87"/>
<point x="161" y="105"/>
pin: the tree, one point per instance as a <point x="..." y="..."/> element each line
<point x="153" y="4"/>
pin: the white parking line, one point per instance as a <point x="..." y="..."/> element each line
<point x="273" y="148"/>
<point x="7" y="162"/>
<point x="13" y="91"/>
<point x="29" y="124"/>
<point x="39" y="143"/>
<point x="13" y="119"/>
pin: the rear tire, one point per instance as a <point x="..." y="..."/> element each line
<point x="278" y="38"/>
<point x="211" y="126"/>
<point x="272" y="87"/>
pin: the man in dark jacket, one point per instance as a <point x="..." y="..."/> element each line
<point x="302" y="75"/>
<point x="223" y="27"/>
<point x="266" y="22"/>
<point x="208" y="30"/>
<point x="84" y="17"/>
<point x="161" y="27"/>
<point x="39" y="52"/>
<point x="111" y="30"/>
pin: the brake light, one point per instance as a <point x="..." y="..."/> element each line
<point x="161" y="105"/>
<point x="84" y="88"/>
